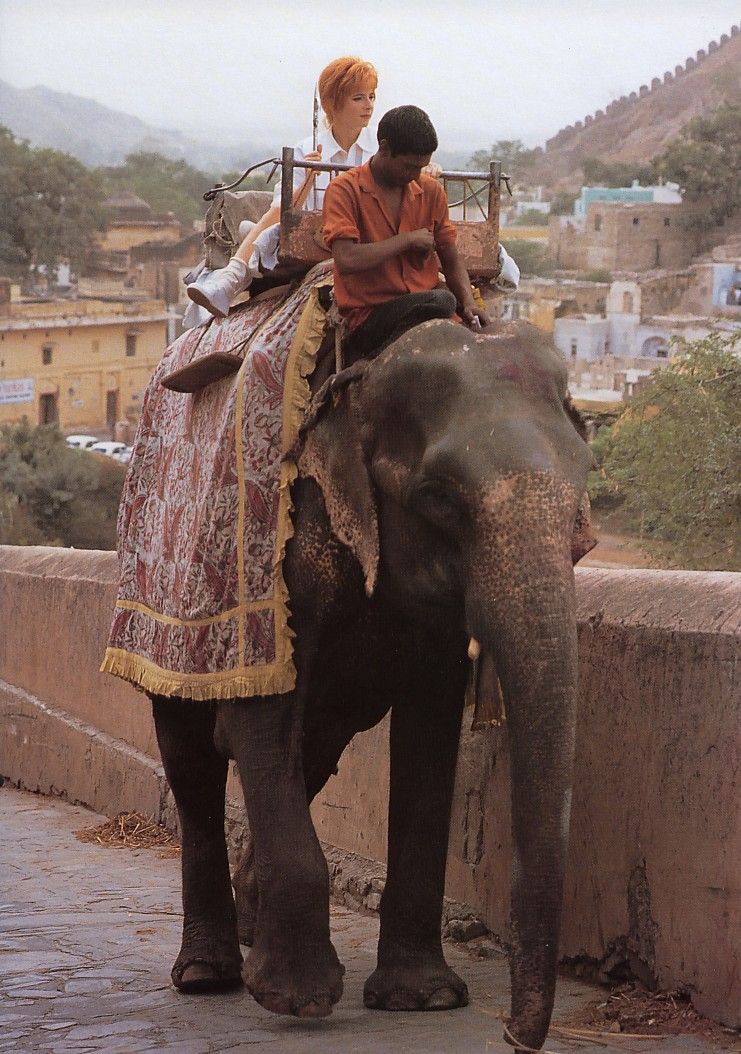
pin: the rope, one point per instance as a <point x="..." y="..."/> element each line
<point x="509" y="1038"/>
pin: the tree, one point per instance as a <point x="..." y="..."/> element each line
<point x="671" y="460"/>
<point x="53" y="495"/>
<point x="705" y="159"/>
<point x="50" y="207"/>
<point x="515" y="157"/>
<point x="562" y="203"/>
<point x="168" y="185"/>
<point x="598" y="173"/>
<point x="531" y="257"/>
<point x="165" y="184"/>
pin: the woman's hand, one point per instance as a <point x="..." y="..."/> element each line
<point x="314" y="155"/>
<point x="433" y="169"/>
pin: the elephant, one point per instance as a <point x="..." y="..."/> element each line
<point x="439" y="500"/>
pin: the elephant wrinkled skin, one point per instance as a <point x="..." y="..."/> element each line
<point x="438" y="499"/>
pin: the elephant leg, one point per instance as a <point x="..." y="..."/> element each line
<point x="292" y="967"/>
<point x="209" y="957"/>
<point x="324" y="742"/>
<point x="244" y="881"/>
<point x="412" y="973"/>
<point x="244" y="878"/>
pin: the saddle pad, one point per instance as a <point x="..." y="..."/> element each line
<point x="202" y="608"/>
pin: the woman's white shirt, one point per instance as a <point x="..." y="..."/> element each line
<point x="361" y="151"/>
<point x="265" y="251"/>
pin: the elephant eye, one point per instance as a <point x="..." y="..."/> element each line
<point x="437" y="501"/>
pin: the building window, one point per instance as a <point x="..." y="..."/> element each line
<point x="598" y="222"/>
<point x="46" y="355"/>
<point x="628" y="303"/>
<point x="131" y="344"/>
<point x="96" y="347"/>
<point x="662" y="352"/>
<point x="636" y="221"/>
<point x="574" y="347"/>
<point x="667" y="221"/>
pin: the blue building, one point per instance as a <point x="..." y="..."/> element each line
<point x="667" y="194"/>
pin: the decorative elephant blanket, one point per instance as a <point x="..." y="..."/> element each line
<point x="205" y="513"/>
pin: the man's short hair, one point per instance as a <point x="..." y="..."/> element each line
<point x="407" y="130"/>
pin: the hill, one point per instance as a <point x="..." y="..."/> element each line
<point x="638" y="126"/>
<point x="97" y="135"/>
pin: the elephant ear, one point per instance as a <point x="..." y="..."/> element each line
<point x="583" y="540"/>
<point x="332" y="454"/>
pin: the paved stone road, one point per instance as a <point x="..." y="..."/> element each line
<point x="88" y="934"/>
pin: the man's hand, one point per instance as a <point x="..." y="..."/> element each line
<point x="420" y="241"/>
<point x="474" y="317"/>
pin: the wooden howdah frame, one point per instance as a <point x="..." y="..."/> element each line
<point x="302" y="244"/>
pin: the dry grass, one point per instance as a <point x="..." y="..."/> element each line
<point x="632" y="1012"/>
<point x="131" y="830"/>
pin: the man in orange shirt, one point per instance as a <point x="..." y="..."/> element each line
<point x="390" y="234"/>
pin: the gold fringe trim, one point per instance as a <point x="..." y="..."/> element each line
<point x="148" y="677"/>
<point x="297" y="396"/>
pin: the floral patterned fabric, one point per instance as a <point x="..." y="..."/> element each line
<point x="205" y="513"/>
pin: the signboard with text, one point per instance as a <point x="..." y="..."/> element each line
<point x="17" y="391"/>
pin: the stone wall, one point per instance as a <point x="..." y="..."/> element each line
<point x="658" y="85"/>
<point x="637" y="127"/>
<point x="653" y="874"/>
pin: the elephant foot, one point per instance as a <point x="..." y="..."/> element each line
<point x="208" y="961"/>
<point x="205" y="973"/>
<point x="305" y="981"/>
<point x="415" y="986"/>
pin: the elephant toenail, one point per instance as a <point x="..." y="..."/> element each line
<point x="443" y="999"/>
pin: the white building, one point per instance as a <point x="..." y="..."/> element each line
<point x="625" y="334"/>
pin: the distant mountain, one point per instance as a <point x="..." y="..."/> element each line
<point x="638" y="126"/>
<point x="97" y="135"/>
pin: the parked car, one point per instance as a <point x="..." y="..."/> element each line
<point x="81" y="442"/>
<point x="109" y="448"/>
<point x="124" y="456"/>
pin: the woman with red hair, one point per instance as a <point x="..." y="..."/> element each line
<point x="347" y="93"/>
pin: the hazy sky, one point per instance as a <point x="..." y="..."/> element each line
<point x="483" y="70"/>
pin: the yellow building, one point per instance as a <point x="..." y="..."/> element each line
<point x="83" y="364"/>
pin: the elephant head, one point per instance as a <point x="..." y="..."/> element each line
<point x="451" y="466"/>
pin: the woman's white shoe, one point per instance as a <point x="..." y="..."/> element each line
<point x="216" y="289"/>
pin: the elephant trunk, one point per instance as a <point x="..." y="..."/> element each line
<point x="522" y="603"/>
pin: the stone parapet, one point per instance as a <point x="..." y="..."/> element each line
<point x="564" y="135"/>
<point x="652" y="884"/>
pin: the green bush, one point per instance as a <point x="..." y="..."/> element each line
<point x="531" y="257"/>
<point x="532" y="218"/>
<point x="51" y="494"/>
<point x="600" y="274"/>
<point x="672" y="459"/>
